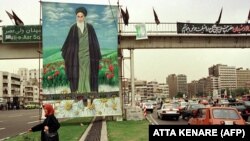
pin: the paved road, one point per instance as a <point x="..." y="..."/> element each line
<point x="152" y="117"/>
<point x="14" y="122"/>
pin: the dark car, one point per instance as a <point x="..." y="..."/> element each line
<point x="190" y="108"/>
<point x="247" y="111"/>
<point x="241" y="108"/>
<point x="238" y="105"/>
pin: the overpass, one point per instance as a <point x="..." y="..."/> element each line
<point x="165" y="35"/>
<point x="160" y="36"/>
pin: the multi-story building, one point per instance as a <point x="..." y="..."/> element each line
<point x="212" y="85"/>
<point x="10" y="86"/>
<point x="24" y="73"/>
<point x="31" y="94"/>
<point x="177" y="83"/>
<point x="182" y="83"/>
<point x="19" y="89"/>
<point x="164" y="90"/>
<point x="172" y="84"/>
<point x="243" y="77"/>
<point x="29" y="75"/>
<point x="227" y="78"/>
<point x="152" y="89"/>
<point x="201" y="87"/>
<point x="146" y="90"/>
<point x="141" y="90"/>
<point x="192" y="89"/>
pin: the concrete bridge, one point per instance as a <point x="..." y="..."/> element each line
<point x="163" y="35"/>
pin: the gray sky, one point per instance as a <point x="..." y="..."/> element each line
<point x="154" y="64"/>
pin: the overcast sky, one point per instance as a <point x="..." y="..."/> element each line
<point x="154" y="64"/>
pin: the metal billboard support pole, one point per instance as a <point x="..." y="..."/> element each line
<point x="39" y="71"/>
<point x="132" y="77"/>
<point x="120" y="63"/>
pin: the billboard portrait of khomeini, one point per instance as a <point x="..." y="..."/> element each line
<point x="81" y="54"/>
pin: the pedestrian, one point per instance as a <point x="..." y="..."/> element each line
<point x="81" y="54"/>
<point x="161" y="103"/>
<point x="49" y="126"/>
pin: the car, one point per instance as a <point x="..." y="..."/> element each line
<point x="223" y="102"/>
<point x="246" y="97"/>
<point x="31" y="106"/>
<point x="180" y="105"/>
<point x="216" y="116"/>
<point x="149" y="106"/>
<point x="246" y="113"/>
<point x="154" y="102"/>
<point x="188" y="110"/>
<point x="238" y="105"/>
<point x="168" y="110"/>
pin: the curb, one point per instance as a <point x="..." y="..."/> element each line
<point x="104" y="135"/>
<point x="87" y="130"/>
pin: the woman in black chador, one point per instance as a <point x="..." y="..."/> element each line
<point x="49" y="126"/>
<point x="81" y="53"/>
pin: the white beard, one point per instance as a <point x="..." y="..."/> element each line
<point x="80" y="25"/>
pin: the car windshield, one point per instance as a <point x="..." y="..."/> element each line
<point x="225" y="114"/>
<point x="197" y="106"/>
<point x="167" y="106"/>
<point x="224" y="101"/>
<point x="148" y="104"/>
<point x="183" y="104"/>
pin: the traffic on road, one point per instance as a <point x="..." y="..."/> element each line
<point x="199" y="112"/>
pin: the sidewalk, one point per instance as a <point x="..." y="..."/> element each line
<point x="96" y="131"/>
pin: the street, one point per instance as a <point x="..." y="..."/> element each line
<point x="15" y="122"/>
<point x="152" y="117"/>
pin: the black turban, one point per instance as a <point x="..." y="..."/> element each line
<point x="83" y="10"/>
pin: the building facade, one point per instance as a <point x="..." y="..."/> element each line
<point x="243" y="77"/>
<point x="10" y="89"/>
<point x="227" y="78"/>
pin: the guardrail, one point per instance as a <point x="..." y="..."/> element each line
<point x="151" y="28"/>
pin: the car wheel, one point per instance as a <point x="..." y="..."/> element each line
<point x="183" y="117"/>
<point x="177" y="118"/>
<point x="158" y="116"/>
<point x="161" y="117"/>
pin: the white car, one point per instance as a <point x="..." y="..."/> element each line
<point x="168" y="110"/>
<point x="148" y="106"/>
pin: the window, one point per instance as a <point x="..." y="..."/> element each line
<point x="225" y="114"/>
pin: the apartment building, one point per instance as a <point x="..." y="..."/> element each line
<point x="164" y="90"/>
<point x="31" y="94"/>
<point x="227" y="78"/>
<point x="177" y="83"/>
<point x="192" y="89"/>
<point x="243" y="77"/>
<point x="10" y="88"/>
<point x="172" y="84"/>
<point x="182" y="83"/>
